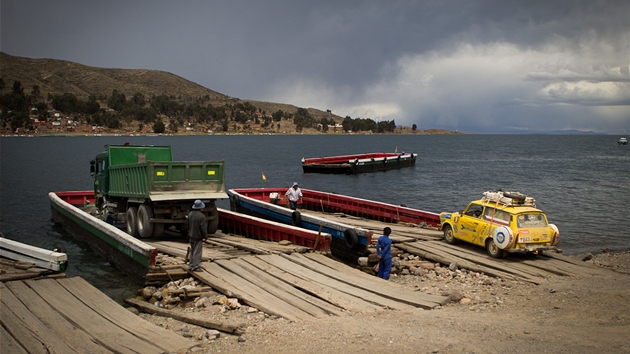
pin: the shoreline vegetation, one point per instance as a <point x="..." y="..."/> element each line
<point x="398" y="131"/>
<point x="47" y="97"/>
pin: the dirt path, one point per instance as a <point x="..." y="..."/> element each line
<point x="587" y="314"/>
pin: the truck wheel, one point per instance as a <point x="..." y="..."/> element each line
<point x="132" y="221"/>
<point x="145" y="228"/>
<point x="158" y="229"/>
<point x="213" y="225"/>
<point x="448" y="235"/>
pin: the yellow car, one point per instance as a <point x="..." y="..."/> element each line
<point x="501" y="222"/>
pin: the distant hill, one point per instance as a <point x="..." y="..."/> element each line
<point x="61" y="76"/>
<point x="58" y="77"/>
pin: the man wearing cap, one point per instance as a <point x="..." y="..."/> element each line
<point x="197" y="232"/>
<point x="294" y="194"/>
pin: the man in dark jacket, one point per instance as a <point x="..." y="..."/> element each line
<point x="197" y="232"/>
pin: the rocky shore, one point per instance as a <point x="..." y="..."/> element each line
<point x="586" y="314"/>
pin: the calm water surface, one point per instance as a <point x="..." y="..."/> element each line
<point x="580" y="181"/>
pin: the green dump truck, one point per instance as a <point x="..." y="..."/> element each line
<point x="144" y="187"/>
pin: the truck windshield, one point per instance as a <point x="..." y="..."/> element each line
<point x="531" y="220"/>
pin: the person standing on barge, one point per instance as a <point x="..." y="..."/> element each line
<point x="294" y="195"/>
<point x="197" y="232"/>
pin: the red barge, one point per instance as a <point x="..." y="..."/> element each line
<point x="77" y="212"/>
<point x="358" y="163"/>
<point x="347" y="242"/>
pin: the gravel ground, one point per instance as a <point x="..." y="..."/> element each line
<point x="585" y="314"/>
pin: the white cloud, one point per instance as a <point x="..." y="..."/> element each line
<point x="472" y="87"/>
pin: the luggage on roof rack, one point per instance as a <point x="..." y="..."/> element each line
<point x="509" y="198"/>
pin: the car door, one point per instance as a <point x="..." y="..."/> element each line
<point x="470" y="222"/>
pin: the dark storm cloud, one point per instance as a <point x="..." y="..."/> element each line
<point x="477" y="66"/>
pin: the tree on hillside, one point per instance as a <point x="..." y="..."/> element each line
<point x="277" y="115"/>
<point x="35" y="93"/>
<point x="15" y="108"/>
<point x="117" y="100"/>
<point x="158" y="126"/>
<point x="138" y="99"/>
<point x="414" y="127"/>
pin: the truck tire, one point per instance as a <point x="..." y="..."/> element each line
<point x="213" y="225"/>
<point x="132" y="221"/>
<point x="145" y="228"/>
<point x="158" y="229"/>
<point x="351" y="238"/>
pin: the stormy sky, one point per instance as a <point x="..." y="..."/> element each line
<point x="473" y="66"/>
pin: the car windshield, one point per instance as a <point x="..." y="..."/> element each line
<point x="531" y="220"/>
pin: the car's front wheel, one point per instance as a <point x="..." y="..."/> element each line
<point x="448" y="235"/>
<point x="493" y="250"/>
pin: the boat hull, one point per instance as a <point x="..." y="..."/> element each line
<point x="132" y="256"/>
<point x="347" y="242"/>
<point x="359" y="163"/>
<point x="269" y="204"/>
<point x="262" y="229"/>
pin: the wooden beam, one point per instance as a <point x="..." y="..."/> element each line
<point x="149" y="308"/>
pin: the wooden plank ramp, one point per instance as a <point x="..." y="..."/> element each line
<point x="306" y="286"/>
<point x="428" y="244"/>
<point x="71" y="316"/>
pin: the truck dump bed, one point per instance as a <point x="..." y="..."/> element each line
<point x="149" y="173"/>
<point x="168" y="180"/>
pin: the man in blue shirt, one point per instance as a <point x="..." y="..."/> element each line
<point x="384" y="253"/>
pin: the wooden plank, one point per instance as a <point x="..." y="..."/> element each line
<point x="327" y="307"/>
<point x="446" y="258"/>
<point x="373" y="284"/>
<point x="269" y="284"/>
<point x="323" y="279"/>
<point x="323" y="292"/>
<point x="27" y="329"/>
<point x="104" y="306"/>
<point x="255" y="296"/>
<point x="361" y="278"/>
<point x="209" y="253"/>
<point x="513" y="266"/>
<point x="217" y="283"/>
<point x="80" y="341"/>
<point x="268" y="245"/>
<point x="547" y="265"/>
<point x="18" y="274"/>
<point x="244" y="246"/>
<point x="474" y="262"/>
<point x="8" y="344"/>
<point x="75" y="311"/>
<point x="587" y="268"/>
<point x="149" y="308"/>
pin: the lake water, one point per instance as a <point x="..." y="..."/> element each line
<point x="582" y="182"/>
